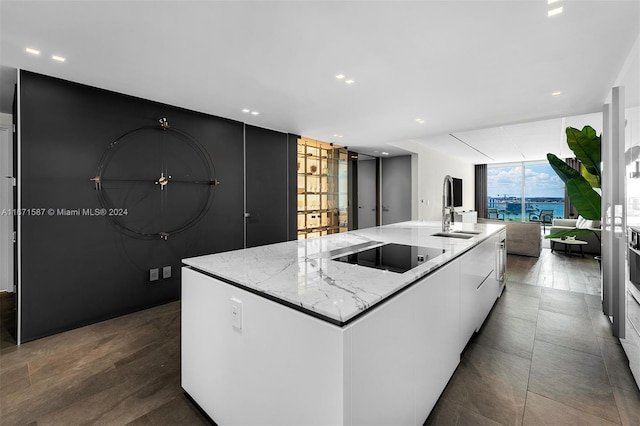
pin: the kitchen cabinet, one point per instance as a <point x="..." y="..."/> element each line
<point x="481" y="278"/>
<point x="631" y="342"/>
<point x="285" y="367"/>
<point x="320" y="341"/>
<point x="322" y="188"/>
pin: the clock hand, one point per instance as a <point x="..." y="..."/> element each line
<point x="199" y="182"/>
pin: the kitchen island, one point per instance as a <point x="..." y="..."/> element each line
<point x="363" y="327"/>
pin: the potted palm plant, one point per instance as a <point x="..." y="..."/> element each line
<point x="581" y="185"/>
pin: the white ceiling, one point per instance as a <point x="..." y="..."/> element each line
<point x="472" y="69"/>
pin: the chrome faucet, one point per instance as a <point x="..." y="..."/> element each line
<point x="447" y="204"/>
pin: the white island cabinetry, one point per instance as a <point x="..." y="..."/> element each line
<point x="480" y="284"/>
<point x="283" y="364"/>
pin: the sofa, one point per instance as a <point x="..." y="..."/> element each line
<point x="593" y="239"/>
<point x="523" y="238"/>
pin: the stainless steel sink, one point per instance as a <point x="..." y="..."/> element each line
<point x="467" y="232"/>
<point x="454" y="234"/>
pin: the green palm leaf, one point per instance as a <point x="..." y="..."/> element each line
<point x="586" y="145"/>
<point x="562" y="169"/>
<point x="586" y="201"/>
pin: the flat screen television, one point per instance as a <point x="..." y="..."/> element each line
<point x="457" y="192"/>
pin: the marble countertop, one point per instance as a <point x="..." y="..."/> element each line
<point x="300" y="273"/>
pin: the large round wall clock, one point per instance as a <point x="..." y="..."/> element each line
<point x="155" y="181"/>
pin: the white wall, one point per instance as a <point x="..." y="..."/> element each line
<point x="432" y="167"/>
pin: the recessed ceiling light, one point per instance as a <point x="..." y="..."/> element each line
<point x="340" y="76"/>
<point x="555" y="11"/>
<point x="335" y="135"/>
<point x="552" y="1"/>
<point x="420" y="120"/>
<point x="58" y="58"/>
<point x="246" y="110"/>
<point x="254" y="113"/>
<point x="556" y="93"/>
<point x="384" y="153"/>
<point x="32" y="51"/>
<point x="349" y="81"/>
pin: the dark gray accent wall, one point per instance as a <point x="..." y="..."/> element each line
<point x="292" y="165"/>
<point x="77" y="270"/>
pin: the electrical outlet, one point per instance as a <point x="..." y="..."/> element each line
<point x="166" y="272"/>
<point x="154" y="274"/>
<point x="236" y="313"/>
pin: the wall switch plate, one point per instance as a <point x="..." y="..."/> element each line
<point x="154" y="274"/>
<point x="236" y="313"/>
<point x="166" y="272"/>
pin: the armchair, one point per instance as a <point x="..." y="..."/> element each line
<point x="545" y="217"/>
<point x="494" y="214"/>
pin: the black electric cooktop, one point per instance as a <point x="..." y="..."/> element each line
<point x="392" y="257"/>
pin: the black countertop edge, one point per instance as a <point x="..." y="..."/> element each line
<point x="270" y="297"/>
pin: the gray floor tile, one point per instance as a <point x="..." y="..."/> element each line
<point x="564" y="302"/>
<point x="523" y="288"/>
<point x="449" y="414"/>
<point x="508" y="333"/>
<point x="617" y="364"/>
<point x="573" y="378"/>
<point x="491" y="383"/>
<point x="593" y="301"/>
<point x="518" y="305"/>
<point x="566" y="330"/>
<point x="541" y="411"/>
<point x="177" y="411"/>
<point x="602" y="326"/>
<point x="628" y="405"/>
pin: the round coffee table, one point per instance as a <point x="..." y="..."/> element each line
<point x="568" y="244"/>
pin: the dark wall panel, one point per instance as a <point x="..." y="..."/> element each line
<point x="396" y="189"/>
<point x="292" y="147"/>
<point x="267" y="169"/>
<point x="78" y="270"/>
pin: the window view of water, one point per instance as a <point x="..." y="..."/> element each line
<point x="524" y="192"/>
<point x="512" y="209"/>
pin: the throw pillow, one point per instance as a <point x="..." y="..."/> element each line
<point x="581" y="223"/>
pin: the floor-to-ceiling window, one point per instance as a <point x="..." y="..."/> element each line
<point x="524" y="191"/>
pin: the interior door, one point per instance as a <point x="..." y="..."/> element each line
<point x="396" y="189"/>
<point x="268" y="208"/>
<point x="366" y="192"/>
<point x="6" y="207"/>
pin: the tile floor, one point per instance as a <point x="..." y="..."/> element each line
<point x="117" y="372"/>
<point x="545" y="355"/>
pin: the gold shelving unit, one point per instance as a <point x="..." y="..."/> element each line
<point x="322" y="188"/>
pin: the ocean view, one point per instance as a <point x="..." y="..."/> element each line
<point x="512" y="209"/>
